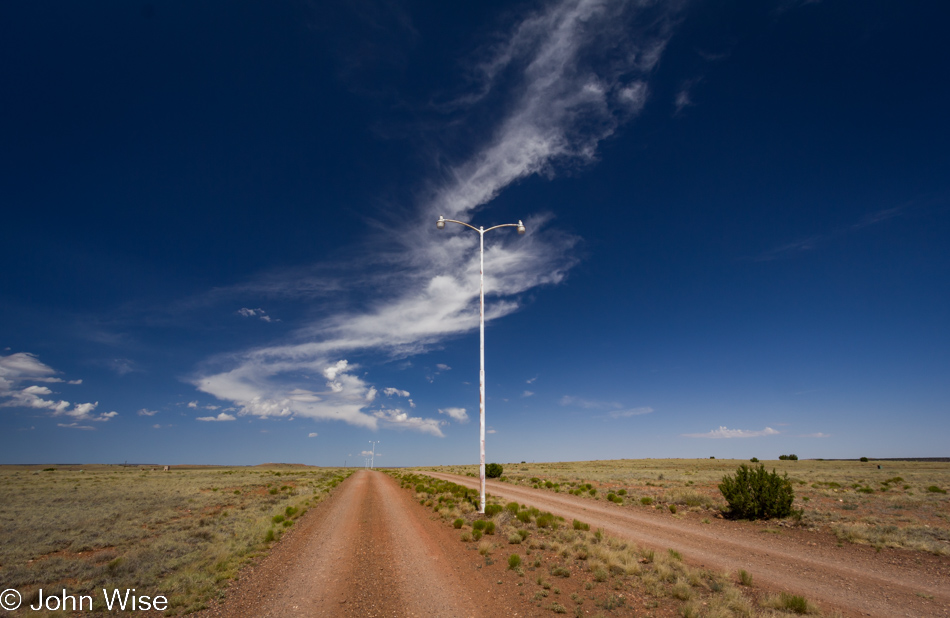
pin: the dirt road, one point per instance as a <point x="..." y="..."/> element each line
<point x="855" y="579"/>
<point x="366" y="551"/>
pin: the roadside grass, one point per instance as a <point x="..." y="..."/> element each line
<point x="902" y="504"/>
<point x="596" y="571"/>
<point x="182" y="534"/>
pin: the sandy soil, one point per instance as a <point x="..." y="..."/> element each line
<point x="855" y="579"/>
<point x="366" y="551"/>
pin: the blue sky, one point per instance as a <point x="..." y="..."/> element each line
<point x="220" y="246"/>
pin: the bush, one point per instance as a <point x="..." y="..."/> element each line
<point x="646" y="500"/>
<point x="936" y="490"/>
<point x="493" y="470"/>
<point x="458" y="523"/>
<point x="514" y="561"/>
<point x="754" y="493"/>
<point x="479" y="524"/>
<point x="489" y="527"/>
<point x="673" y="509"/>
<point x="744" y="578"/>
<point x="545" y="520"/>
<point x="864" y="459"/>
<point x="493" y="509"/>
<point x="754" y="460"/>
<point x="792" y="457"/>
<point x="579" y="525"/>
<point x="513" y="507"/>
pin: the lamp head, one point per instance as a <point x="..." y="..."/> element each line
<point x="440" y="223"/>
<point x="520" y="227"/>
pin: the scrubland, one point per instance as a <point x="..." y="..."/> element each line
<point x="567" y="568"/>
<point x="182" y="534"/>
<point x="902" y="504"/>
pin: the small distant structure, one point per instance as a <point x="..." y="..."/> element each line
<point x="165" y="469"/>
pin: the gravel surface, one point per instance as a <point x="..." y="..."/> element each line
<point x="855" y="579"/>
<point x="368" y="550"/>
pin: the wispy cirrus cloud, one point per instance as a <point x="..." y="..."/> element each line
<point x="561" y="81"/>
<point x="258" y="313"/>
<point x="22" y="367"/>
<point x="724" y="432"/>
<point x="614" y="409"/>
<point x="812" y="242"/>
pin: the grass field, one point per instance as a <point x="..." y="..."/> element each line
<point x="901" y="504"/>
<point x="182" y="534"/>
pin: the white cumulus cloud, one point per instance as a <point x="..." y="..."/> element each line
<point x="724" y="432"/>
<point x="224" y="416"/>
<point x="19" y="368"/>
<point x="457" y="414"/>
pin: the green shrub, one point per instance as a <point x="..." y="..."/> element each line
<point x="673" y="509"/>
<point x="754" y="460"/>
<point x="479" y="524"/>
<point x="458" y="523"/>
<point x="864" y="459"/>
<point x="514" y="561"/>
<point x="524" y="516"/>
<point x="646" y="500"/>
<point x="277" y="519"/>
<point x="269" y="537"/>
<point x="493" y="470"/>
<point x="622" y="492"/>
<point x="794" y="603"/>
<point x="493" y="509"/>
<point x="514" y="538"/>
<point x="936" y="490"/>
<point x="792" y="457"/>
<point x="489" y="527"/>
<point x="754" y="493"/>
<point x="745" y="578"/>
<point x="544" y="521"/>
<point x="579" y="525"/>
<point x="512" y="506"/>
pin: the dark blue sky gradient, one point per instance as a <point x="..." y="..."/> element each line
<point x="762" y="247"/>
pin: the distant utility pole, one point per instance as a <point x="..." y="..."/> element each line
<point x="373" y="461"/>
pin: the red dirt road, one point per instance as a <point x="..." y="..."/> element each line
<point x="368" y="550"/>
<point x="857" y="580"/>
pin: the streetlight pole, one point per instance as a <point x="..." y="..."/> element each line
<point x="373" y="461"/>
<point x="481" y="334"/>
